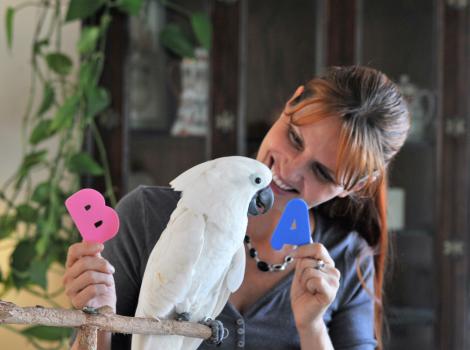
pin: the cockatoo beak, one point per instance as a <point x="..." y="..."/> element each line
<point x="261" y="202"/>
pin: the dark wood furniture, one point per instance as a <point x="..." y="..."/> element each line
<point x="263" y="49"/>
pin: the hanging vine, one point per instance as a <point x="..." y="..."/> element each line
<point x="63" y="103"/>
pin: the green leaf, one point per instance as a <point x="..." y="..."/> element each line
<point x="19" y="279"/>
<point x="7" y="225"/>
<point x="82" y="163"/>
<point x="202" y="28"/>
<point x="20" y="262"/>
<point x="81" y="9"/>
<point x="47" y="333"/>
<point x="9" y="17"/>
<point x="34" y="158"/>
<point x="47" y="99"/>
<point x="37" y="46"/>
<point x="48" y="225"/>
<point x="88" y="39"/>
<point x="30" y="161"/>
<point x="132" y="7"/>
<point x="22" y="256"/>
<point x="105" y="22"/>
<point x="41" y="193"/>
<point x="57" y="251"/>
<point x="26" y="213"/>
<point x="41" y="132"/>
<point x="173" y="38"/>
<point x="65" y="114"/>
<point x="38" y="272"/>
<point x="43" y="242"/>
<point x="59" y="63"/>
<point x="88" y="74"/>
<point x="97" y="100"/>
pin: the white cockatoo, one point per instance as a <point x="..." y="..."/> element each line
<point x="200" y="258"/>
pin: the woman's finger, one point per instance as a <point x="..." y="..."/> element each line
<point x="329" y="275"/>
<point x="86" y="279"/>
<point x="87" y="263"/>
<point x="86" y="296"/>
<point x="319" y="284"/>
<point x="78" y="250"/>
<point x="319" y="265"/>
<point x="321" y="287"/>
<point x="314" y="251"/>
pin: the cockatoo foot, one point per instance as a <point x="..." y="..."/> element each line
<point x="184" y="316"/>
<point x="219" y="332"/>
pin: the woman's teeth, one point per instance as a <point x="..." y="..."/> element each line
<point x="281" y="184"/>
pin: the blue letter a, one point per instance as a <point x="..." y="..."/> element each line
<point x="294" y="226"/>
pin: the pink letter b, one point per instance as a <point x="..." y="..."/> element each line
<point x="95" y="221"/>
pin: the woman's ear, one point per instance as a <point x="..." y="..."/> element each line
<point x="360" y="185"/>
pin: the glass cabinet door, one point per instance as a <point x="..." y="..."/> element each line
<point x="282" y="52"/>
<point x="399" y="38"/>
<point x="166" y="95"/>
<point x="164" y="119"/>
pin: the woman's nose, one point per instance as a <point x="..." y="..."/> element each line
<point x="294" y="171"/>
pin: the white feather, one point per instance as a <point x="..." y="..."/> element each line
<point x="200" y="258"/>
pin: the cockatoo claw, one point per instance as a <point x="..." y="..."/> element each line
<point x="219" y="332"/>
<point x="184" y="316"/>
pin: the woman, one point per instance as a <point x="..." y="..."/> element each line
<point x="331" y="146"/>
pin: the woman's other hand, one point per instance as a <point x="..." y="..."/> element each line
<point x="314" y="288"/>
<point x="88" y="278"/>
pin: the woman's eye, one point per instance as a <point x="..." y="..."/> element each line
<point x="295" y="139"/>
<point x="322" y="175"/>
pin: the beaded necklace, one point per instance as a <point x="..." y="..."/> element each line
<point x="263" y="265"/>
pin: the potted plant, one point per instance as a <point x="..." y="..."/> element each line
<point x="34" y="216"/>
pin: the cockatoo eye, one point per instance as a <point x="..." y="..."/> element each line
<point x="256" y="179"/>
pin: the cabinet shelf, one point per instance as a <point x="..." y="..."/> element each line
<point x="161" y="134"/>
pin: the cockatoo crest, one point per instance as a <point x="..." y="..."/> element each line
<point x="229" y="178"/>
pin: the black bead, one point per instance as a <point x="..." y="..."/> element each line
<point x="253" y="252"/>
<point x="263" y="266"/>
<point x="247" y="239"/>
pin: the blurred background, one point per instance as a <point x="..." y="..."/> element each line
<point x="192" y="80"/>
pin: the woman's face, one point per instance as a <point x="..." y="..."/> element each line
<point x="302" y="160"/>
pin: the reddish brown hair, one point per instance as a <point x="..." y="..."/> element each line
<point x="375" y="122"/>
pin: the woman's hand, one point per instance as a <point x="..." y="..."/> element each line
<point x="88" y="278"/>
<point x="313" y="289"/>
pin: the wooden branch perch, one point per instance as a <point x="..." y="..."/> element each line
<point x="89" y="324"/>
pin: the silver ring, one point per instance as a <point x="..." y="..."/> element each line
<point x="320" y="265"/>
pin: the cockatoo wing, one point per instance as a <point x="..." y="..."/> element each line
<point x="229" y="284"/>
<point x="237" y="270"/>
<point x="232" y="281"/>
<point x="168" y="274"/>
<point x="171" y="263"/>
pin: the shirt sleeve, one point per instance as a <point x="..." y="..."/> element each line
<point x="143" y="215"/>
<point x="352" y="324"/>
<point x="123" y="252"/>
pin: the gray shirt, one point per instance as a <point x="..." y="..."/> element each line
<point x="269" y="322"/>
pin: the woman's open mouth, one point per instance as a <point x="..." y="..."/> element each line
<point x="280" y="186"/>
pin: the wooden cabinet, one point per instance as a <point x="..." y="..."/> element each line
<point x="401" y="39"/>
<point x="262" y="50"/>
